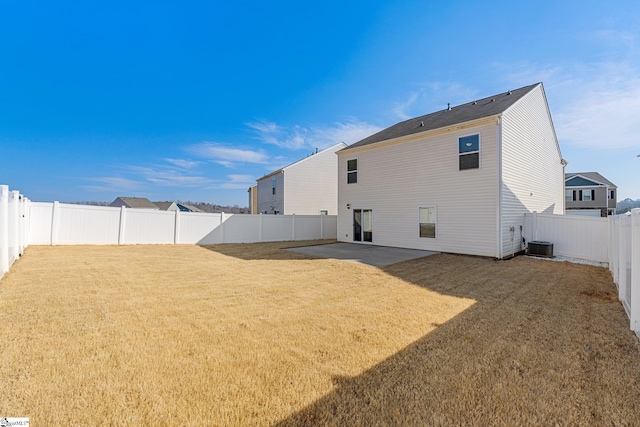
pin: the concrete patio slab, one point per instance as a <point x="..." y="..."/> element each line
<point x="376" y="256"/>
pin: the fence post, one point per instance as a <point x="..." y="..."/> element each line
<point x="54" y="223"/>
<point x="534" y="226"/>
<point x="222" y="227"/>
<point x="260" y="220"/>
<point x="621" y="262"/>
<point x="176" y="228"/>
<point x="635" y="271"/>
<point x="4" y="229"/>
<point x="14" y="223"/>
<point x="123" y="217"/>
<point x="322" y="226"/>
<point x="293" y="227"/>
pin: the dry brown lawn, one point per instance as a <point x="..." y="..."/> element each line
<point x="255" y="335"/>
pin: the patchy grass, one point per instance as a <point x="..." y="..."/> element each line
<point x="254" y="335"/>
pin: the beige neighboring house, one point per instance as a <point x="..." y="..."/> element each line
<point x="134" y="203"/>
<point x="589" y="194"/>
<point x="457" y="180"/>
<point x="167" y="206"/>
<point x="306" y="187"/>
<point x="253" y="199"/>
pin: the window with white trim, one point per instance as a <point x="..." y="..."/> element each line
<point x="428" y="222"/>
<point x="469" y="152"/>
<point x="568" y="195"/>
<point x="273" y="186"/>
<point x="352" y="171"/>
<point x="587" y="195"/>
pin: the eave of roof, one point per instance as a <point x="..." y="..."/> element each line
<point x="479" y="109"/>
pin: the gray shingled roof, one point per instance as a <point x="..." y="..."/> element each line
<point x="138" y="202"/>
<point x="481" y="108"/>
<point x="591" y="175"/>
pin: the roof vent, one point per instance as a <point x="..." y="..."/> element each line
<point x="509" y="93"/>
<point x="493" y="99"/>
<point x="421" y="123"/>
<point x="475" y="102"/>
<point x="448" y="106"/>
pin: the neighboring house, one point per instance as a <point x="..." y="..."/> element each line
<point x="253" y="199"/>
<point x="458" y="180"/>
<point x="134" y="203"/>
<point x="306" y="187"/>
<point x="167" y="206"/>
<point x="589" y="193"/>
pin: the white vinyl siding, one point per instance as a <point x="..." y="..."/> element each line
<point x="395" y="180"/>
<point x="311" y="185"/>
<point x="532" y="173"/>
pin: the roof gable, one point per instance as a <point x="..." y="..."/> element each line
<point x="482" y="108"/>
<point x="137" y="202"/>
<point x="586" y="179"/>
<point x="334" y="148"/>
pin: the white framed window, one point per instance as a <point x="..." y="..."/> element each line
<point x="352" y="171"/>
<point x="568" y="195"/>
<point x="469" y="152"/>
<point x="587" y="195"/>
<point x="324" y="212"/>
<point x="428" y="222"/>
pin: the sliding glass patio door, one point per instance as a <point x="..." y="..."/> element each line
<point x="362" y="225"/>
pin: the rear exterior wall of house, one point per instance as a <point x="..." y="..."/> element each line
<point x="396" y="179"/>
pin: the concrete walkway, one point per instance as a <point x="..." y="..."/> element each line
<point x="376" y="256"/>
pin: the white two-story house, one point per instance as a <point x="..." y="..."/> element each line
<point x="306" y="187"/>
<point x="457" y="180"/>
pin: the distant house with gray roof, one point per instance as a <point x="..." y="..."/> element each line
<point x="133" y="203"/>
<point x="589" y="193"/>
<point x="457" y="180"/>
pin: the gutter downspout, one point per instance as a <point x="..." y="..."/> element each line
<point x="499" y="198"/>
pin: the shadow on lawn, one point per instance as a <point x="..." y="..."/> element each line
<point x="536" y="348"/>
<point x="265" y="251"/>
<point x="545" y="343"/>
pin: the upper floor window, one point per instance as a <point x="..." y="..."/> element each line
<point x="587" y="195"/>
<point x="612" y="194"/>
<point x="469" y="152"/>
<point x="352" y="171"/>
<point x="273" y="186"/>
<point x="568" y="195"/>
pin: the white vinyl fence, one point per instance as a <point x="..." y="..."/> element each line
<point x="67" y="224"/>
<point x="624" y="263"/>
<point x="14" y="223"/>
<point x="572" y="236"/>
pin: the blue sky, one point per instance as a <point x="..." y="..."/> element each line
<point x="194" y="100"/>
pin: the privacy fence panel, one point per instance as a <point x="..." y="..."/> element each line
<point x="624" y="263"/>
<point x="146" y="226"/>
<point x="572" y="236"/>
<point x="87" y="225"/>
<point x="66" y="224"/>
<point x="193" y="227"/>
